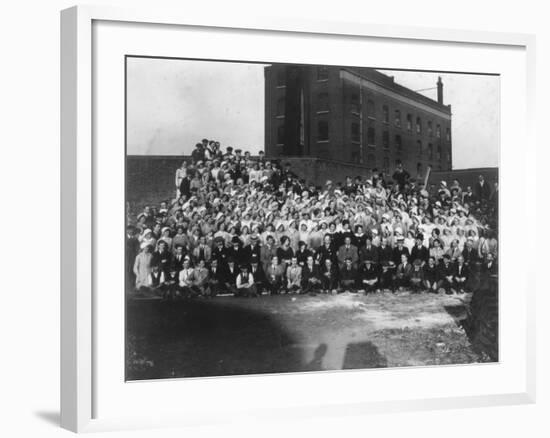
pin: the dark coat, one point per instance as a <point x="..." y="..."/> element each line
<point x="421" y="253"/>
<point x="397" y="253"/>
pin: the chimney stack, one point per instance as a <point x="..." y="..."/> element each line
<point x="439" y="90"/>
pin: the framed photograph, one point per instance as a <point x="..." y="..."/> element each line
<point x="263" y="218"/>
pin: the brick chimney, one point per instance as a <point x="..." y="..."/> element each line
<point x="439" y="90"/>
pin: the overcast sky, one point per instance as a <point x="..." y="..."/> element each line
<point x="173" y="104"/>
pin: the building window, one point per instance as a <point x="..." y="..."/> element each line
<point x="355" y="134"/>
<point x="281" y="77"/>
<point x="281" y="134"/>
<point x="386" y="165"/>
<point x="398" y="143"/>
<point x="448" y="134"/>
<point x="371" y="136"/>
<point x="371" y="109"/>
<point x="419" y="168"/>
<point x="322" y="102"/>
<point x="419" y="147"/>
<point x="385" y="114"/>
<point x="355" y="104"/>
<point x="397" y="118"/>
<point x="409" y="122"/>
<point x="438" y="157"/>
<point x="281" y="106"/>
<point x="430" y="129"/>
<point x="386" y="139"/>
<point x="322" y="73"/>
<point x="322" y="130"/>
<point x="430" y="151"/>
<point x="418" y="125"/>
<point x="438" y="131"/>
<point x="371" y="160"/>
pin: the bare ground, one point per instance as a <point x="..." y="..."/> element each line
<point x="290" y="333"/>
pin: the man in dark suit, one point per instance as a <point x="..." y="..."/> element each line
<point x="326" y="251"/>
<point x="446" y="274"/>
<point x="329" y="276"/>
<point x="252" y="249"/>
<point x="258" y="273"/>
<point x="348" y="276"/>
<point x="403" y="273"/>
<point x="368" y="252"/>
<point x="470" y="254"/>
<point x="216" y="278"/>
<point x="311" y="276"/>
<point x="368" y="276"/>
<point x="132" y="250"/>
<point x="400" y="250"/>
<point x="419" y="251"/>
<point x="482" y="189"/>
<point x="236" y="251"/>
<point x="162" y="257"/>
<point x="219" y="251"/>
<point x="230" y="277"/>
<point x="179" y="256"/>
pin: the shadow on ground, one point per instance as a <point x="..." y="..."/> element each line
<point x="205" y="338"/>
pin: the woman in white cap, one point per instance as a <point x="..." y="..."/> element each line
<point x="147" y="238"/>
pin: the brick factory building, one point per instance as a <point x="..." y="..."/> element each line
<point x="354" y="115"/>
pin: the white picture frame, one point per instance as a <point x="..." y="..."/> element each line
<point x="79" y="202"/>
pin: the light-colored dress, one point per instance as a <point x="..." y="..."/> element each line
<point x="142" y="269"/>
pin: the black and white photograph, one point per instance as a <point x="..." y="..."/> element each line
<point x="289" y="218"/>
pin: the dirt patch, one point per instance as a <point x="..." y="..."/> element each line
<point x="228" y="336"/>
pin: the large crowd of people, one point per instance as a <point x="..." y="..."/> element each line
<point x="249" y="226"/>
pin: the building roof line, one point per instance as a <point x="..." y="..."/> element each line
<point x="396" y="87"/>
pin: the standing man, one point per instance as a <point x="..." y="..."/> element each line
<point x="482" y="189"/>
<point x="400" y="176"/>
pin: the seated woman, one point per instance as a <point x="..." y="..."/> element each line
<point x="285" y="252"/>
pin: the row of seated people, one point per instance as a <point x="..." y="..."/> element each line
<point x="253" y="279"/>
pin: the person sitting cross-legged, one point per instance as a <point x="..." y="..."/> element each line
<point x="245" y="283"/>
<point x="368" y="277"/>
<point x="460" y="276"/>
<point x="216" y="278"/>
<point x="403" y="273"/>
<point x="430" y="275"/>
<point x="416" y="277"/>
<point x="311" y="276"/>
<point x="446" y="274"/>
<point x="293" y="276"/>
<point x="329" y="277"/>
<point x="348" y="276"/>
<point x="200" y="279"/>
<point x="258" y="273"/>
<point x="274" y="274"/>
<point x="387" y="276"/>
